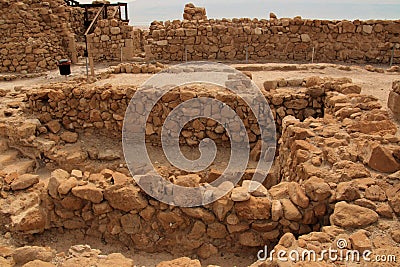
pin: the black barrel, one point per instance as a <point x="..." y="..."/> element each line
<point x="64" y="65"/>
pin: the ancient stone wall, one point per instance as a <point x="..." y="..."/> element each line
<point x="111" y="206"/>
<point x="76" y="23"/>
<point x="194" y="13"/>
<point x="34" y="34"/>
<point x="394" y="99"/>
<point x="274" y="40"/>
<point x="103" y="108"/>
<point x="113" y="39"/>
<point x="351" y="146"/>
<point x="330" y="167"/>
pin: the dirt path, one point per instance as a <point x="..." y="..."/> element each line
<point x="373" y="83"/>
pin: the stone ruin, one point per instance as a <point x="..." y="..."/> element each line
<point x="336" y="175"/>
<point x="338" y="156"/>
<point x="194" y="13"/>
<point x="37" y="33"/>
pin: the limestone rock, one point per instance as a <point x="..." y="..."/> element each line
<point x="348" y="26"/>
<point x="24" y="181"/>
<point x="394" y="102"/>
<point x="56" y="178"/>
<point x="69" y="137"/>
<point x="287" y="240"/>
<point x="360" y="241"/>
<point x="250" y="239"/>
<point x="72" y="203"/>
<point x="380" y="158"/>
<point x="276" y="210"/>
<point x="88" y="192"/>
<point x="66" y="185"/>
<point x="38" y="263"/>
<point x="32" y="220"/>
<point x="29" y="253"/>
<point x="347" y="191"/>
<point x="54" y="126"/>
<point x="115" y="259"/>
<point x="317" y="189"/>
<point x="305" y="38"/>
<point x="254" y="208"/>
<point x="131" y="223"/>
<point x="384" y="210"/>
<point x="221" y="207"/>
<point x="313" y="81"/>
<point x="198" y="230"/>
<point x="297" y="195"/>
<point x="240" y="194"/>
<point x="120" y="178"/>
<point x="108" y="155"/>
<point x="373" y="127"/>
<point x="256" y="189"/>
<point x="5" y="263"/>
<point x="181" y="262"/>
<point x="206" y="251"/>
<point x="394" y="199"/>
<point x="217" y="230"/>
<point x="270" y="85"/>
<point x="199" y="213"/>
<point x="349" y="88"/>
<point x="115" y="30"/>
<point x="290" y="212"/>
<point x="125" y="198"/>
<point x="77" y="173"/>
<point x="375" y="193"/>
<point x="190" y="180"/>
<point x="353" y="216"/>
<point x="396" y="235"/>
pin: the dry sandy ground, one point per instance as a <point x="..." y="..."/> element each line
<point x="377" y="84"/>
<point x="373" y="83"/>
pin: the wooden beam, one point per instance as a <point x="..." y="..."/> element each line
<point x="94" y="20"/>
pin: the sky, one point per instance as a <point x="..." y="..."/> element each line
<point x="143" y="12"/>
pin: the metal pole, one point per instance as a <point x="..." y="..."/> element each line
<point x="86" y="54"/>
<point x="91" y="63"/>
<point x="186" y="56"/>
<point x="247" y="54"/>
<point x="312" y="56"/>
<point x="87" y="68"/>
<point x="391" y="58"/>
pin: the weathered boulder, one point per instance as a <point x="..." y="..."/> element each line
<point x="254" y="208"/>
<point x="181" y="262"/>
<point x="88" y="192"/>
<point x="125" y="198"/>
<point x="317" y="189"/>
<point x="69" y="137"/>
<point x="24" y="181"/>
<point x="353" y="216"/>
<point x="360" y="241"/>
<point x="380" y="158"/>
<point x="29" y="253"/>
<point x="290" y="211"/>
<point x="32" y="220"/>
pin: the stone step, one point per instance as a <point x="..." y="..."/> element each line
<point x="20" y="166"/>
<point x="8" y="157"/>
